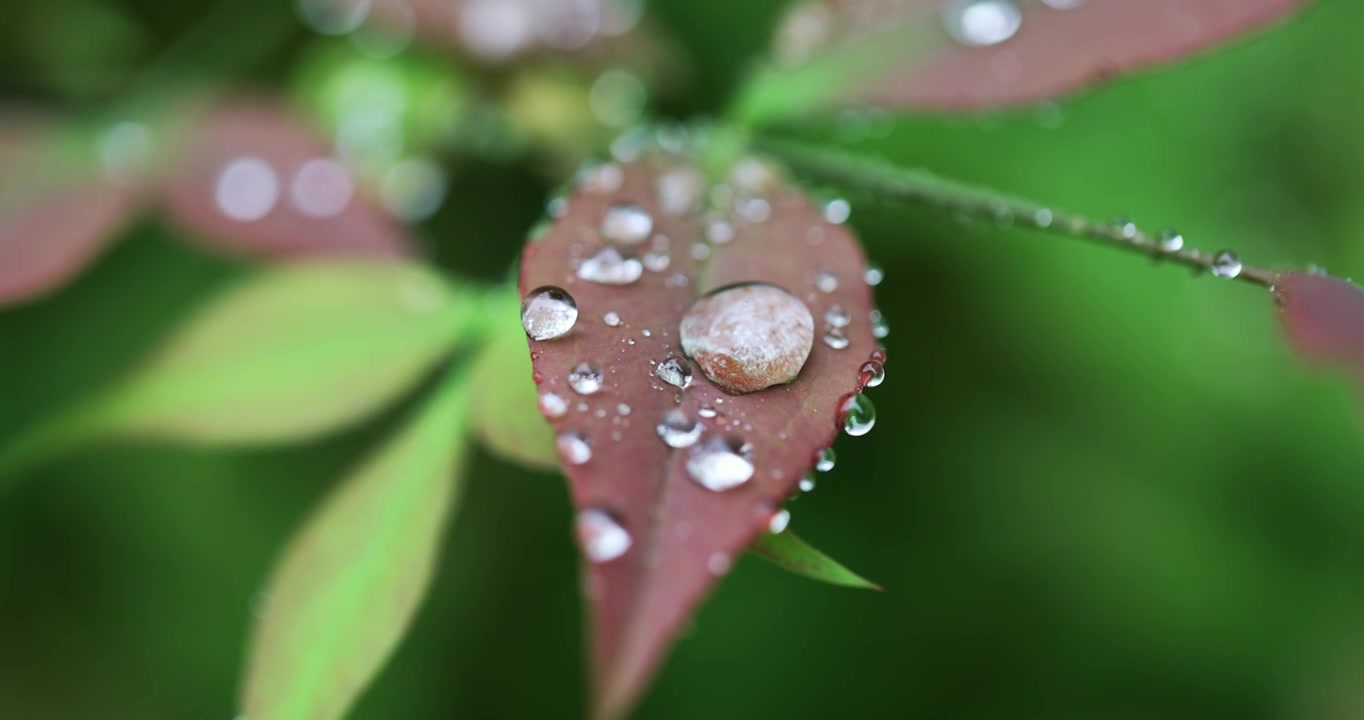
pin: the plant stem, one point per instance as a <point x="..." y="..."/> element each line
<point x="920" y="186"/>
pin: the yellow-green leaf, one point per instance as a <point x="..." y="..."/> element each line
<point x="351" y="580"/>
<point x="790" y="552"/>
<point x="505" y="403"/>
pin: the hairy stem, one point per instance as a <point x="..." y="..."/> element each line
<point x="920" y="186"/>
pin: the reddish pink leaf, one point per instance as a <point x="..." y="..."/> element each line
<point x="1324" y="319"/>
<point x="54" y="219"/>
<point x="964" y="54"/>
<point x="683" y="535"/>
<point x="250" y="178"/>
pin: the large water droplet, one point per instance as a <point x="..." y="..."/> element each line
<point x="573" y="448"/>
<point x="779" y="521"/>
<point x="627" y="223"/>
<point x="1170" y="240"/>
<point x="603" y="539"/>
<point x="609" y="267"/>
<point x="585" y="379"/>
<point x="873" y="373"/>
<point x="675" y="372"/>
<point x="553" y="405"/>
<point x="1226" y="264"/>
<point x="720" y="463"/>
<point x="826" y="460"/>
<point x="858" y="415"/>
<point x="749" y="337"/>
<point x="678" y="430"/>
<point x="548" y="312"/>
<point x="981" y="23"/>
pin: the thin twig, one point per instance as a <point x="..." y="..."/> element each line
<point x="920" y="186"/>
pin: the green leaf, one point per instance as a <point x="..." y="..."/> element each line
<point x="351" y="580"/>
<point x="506" y="413"/>
<point x="789" y="551"/>
<point x="290" y="354"/>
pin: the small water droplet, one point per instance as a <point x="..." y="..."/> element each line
<point x="879" y="327"/>
<point x="874" y="274"/>
<point x="627" y="223"/>
<point x="719" y="232"/>
<point x="1125" y="227"/>
<point x="553" y="405"/>
<point x="755" y="210"/>
<point x="718" y="564"/>
<point x="657" y="260"/>
<point x="981" y="23"/>
<point x="602" y="537"/>
<point x="557" y="207"/>
<point x="573" y="448"/>
<point x="646" y="332"/>
<point x="837" y="211"/>
<point x="826" y="460"/>
<point x="602" y="179"/>
<point x="548" y="312"/>
<point x="720" y="463"/>
<point x="321" y="188"/>
<point x="826" y="281"/>
<point x="1170" y="240"/>
<point x="247" y="189"/>
<point x="837" y="316"/>
<point x="612" y="319"/>
<point x="585" y="379"/>
<point x="677" y="430"/>
<point x="858" y="415"/>
<point x="873" y="373"/>
<point x="609" y="267"/>
<point x="707" y="412"/>
<point x="1226" y="264"/>
<point x="807" y="483"/>
<point x="779" y="521"/>
<point x="836" y="339"/>
<point x="700" y="251"/>
<point x="675" y="372"/>
<point x="1043" y="218"/>
<point x="622" y="409"/>
<point x="680" y="190"/>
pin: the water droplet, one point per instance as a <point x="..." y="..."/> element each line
<point x="1170" y="240"/>
<point x="837" y="211"/>
<point x="602" y="179"/>
<point x="1043" y="218"/>
<point x="718" y="563"/>
<point x="321" y="188"/>
<point x="603" y="539"/>
<point x="720" y="463"/>
<point x="677" y="430"/>
<point x="247" y="189"/>
<point x="657" y="260"/>
<point x="874" y="274"/>
<point x="700" y="251"/>
<point x="1226" y="264"/>
<point x="826" y="281"/>
<point x="836" y="339"/>
<point x="754" y="209"/>
<point x="496" y="29"/>
<point x="749" y="337"/>
<point x="553" y="405"/>
<point x="622" y="409"/>
<point x="858" y="415"/>
<point x="585" y="379"/>
<point x="807" y="483"/>
<point x="675" y="372"/>
<point x="1063" y="4"/>
<point x="779" y="521"/>
<point x="548" y="312"/>
<point x="557" y="207"/>
<point x="612" y="319"/>
<point x="679" y="191"/>
<point x="1125" y="227"/>
<point x="573" y="448"/>
<point x="837" y="316"/>
<point x="707" y="412"/>
<point x="719" y="232"/>
<point x="826" y="460"/>
<point x="609" y="267"/>
<point x="873" y="373"/>
<point x="333" y="17"/>
<point x="879" y="327"/>
<point x="981" y="23"/>
<point x="627" y="223"/>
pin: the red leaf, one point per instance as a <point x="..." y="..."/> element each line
<point x="965" y="54"/>
<point x="683" y="536"/>
<point x="1324" y="319"/>
<point x="54" y="219"/>
<point x="253" y="179"/>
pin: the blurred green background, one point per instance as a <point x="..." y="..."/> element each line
<point x="1097" y="488"/>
